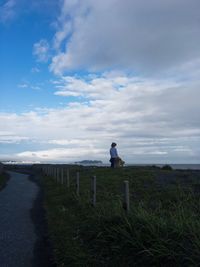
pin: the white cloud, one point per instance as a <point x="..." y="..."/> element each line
<point x="60" y="154"/>
<point x="35" y="70"/>
<point x="7" y="11"/>
<point x="29" y="86"/>
<point x="61" y="34"/>
<point x="70" y="142"/>
<point x="10" y="10"/>
<point x="144" y="36"/>
<point x="23" y="85"/>
<point x="151" y="120"/>
<point x="36" y="88"/>
<point x="41" y="50"/>
<point x="11" y="138"/>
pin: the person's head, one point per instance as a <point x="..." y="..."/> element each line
<point x="113" y="144"/>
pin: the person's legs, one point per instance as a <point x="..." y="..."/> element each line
<point x="112" y="160"/>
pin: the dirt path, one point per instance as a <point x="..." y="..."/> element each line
<point x="18" y="232"/>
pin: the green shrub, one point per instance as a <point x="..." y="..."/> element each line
<point x="167" y="167"/>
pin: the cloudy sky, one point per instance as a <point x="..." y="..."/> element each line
<point x="77" y="75"/>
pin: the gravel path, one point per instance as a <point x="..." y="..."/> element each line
<point x="17" y="232"/>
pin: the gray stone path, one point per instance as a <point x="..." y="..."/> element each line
<point x="17" y="236"/>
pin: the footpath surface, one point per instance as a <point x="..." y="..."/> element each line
<point x="18" y="237"/>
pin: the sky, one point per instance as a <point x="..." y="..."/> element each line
<point x="76" y="76"/>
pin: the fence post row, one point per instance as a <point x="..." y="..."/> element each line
<point x="58" y="175"/>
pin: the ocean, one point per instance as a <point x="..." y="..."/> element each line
<point x="174" y="166"/>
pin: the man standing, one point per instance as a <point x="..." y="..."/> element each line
<point x="114" y="155"/>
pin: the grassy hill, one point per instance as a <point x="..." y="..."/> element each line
<point x="162" y="228"/>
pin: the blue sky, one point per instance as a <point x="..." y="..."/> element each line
<point x="78" y="75"/>
<point x="18" y="65"/>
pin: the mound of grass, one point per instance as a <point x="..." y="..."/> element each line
<point x="162" y="229"/>
<point x="167" y="167"/>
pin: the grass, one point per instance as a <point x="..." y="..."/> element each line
<point x="162" y="229"/>
<point x="3" y="180"/>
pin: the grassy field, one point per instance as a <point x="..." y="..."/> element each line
<point x="162" y="229"/>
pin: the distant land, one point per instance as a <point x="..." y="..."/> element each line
<point x="89" y="162"/>
<point x="99" y="163"/>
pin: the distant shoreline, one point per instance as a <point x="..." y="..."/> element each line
<point x="174" y="166"/>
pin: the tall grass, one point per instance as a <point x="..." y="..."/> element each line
<point x="162" y="229"/>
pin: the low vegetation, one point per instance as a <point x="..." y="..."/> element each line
<point x="3" y="180"/>
<point x="167" y="167"/>
<point x="162" y="228"/>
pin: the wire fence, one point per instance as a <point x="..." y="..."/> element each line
<point x="64" y="177"/>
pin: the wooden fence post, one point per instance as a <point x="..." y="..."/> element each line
<point x="126" y="203"/>
<point x="77" y="184"/>
<point x="44" y="171"/>
<point x="54" y="175"/>
<point x="62" y="176"/>
<point x="57" y="175"/>
<point x="48" y="170"/>
<point x="93" y="190"/>
<point x="68" y="182"/>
